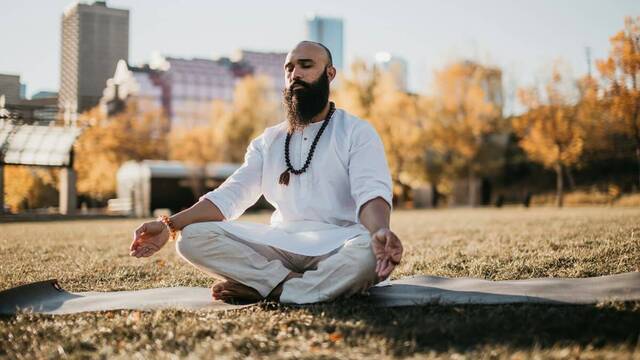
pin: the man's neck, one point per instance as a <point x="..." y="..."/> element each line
<point x="322" y="114"/>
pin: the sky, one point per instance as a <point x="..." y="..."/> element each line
<point x="522" y="37"/>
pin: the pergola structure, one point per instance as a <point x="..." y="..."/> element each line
<point x="52" y="146"/>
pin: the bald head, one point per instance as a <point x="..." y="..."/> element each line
<point x="326" y="50"/>
<point x="313" y="48"/>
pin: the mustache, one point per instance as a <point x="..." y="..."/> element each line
<point x="299" y="82"/>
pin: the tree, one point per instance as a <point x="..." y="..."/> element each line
<point x="201" y="144"/>
<point x="468" y="108"/>
<point x="356" y="93"/>
<point x="550" y="131"/>
<point x="232" y="125"/>
<point x="373" y="95"/>
<point x="397" y="118"/>
<point x="107" y="142"/>
<point x="621" y="76"/>
<point x="254" y="108"/>
<point x="29" y="187"/>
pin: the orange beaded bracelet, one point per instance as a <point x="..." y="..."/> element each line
<point x="172" y="229"/>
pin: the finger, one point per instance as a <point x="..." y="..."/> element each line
<point x="148" y="253"/>
<point x="149" y="248"/>
<point x="134" y="244"/>
<point x="383" y="264"/>
<point x="395" y="257"/>
<point x="384" y="268"/>
<point x="386" y="272"/>
<point x="152" y="246"/>
<point x="140" y="251"/>
<point x="394" y="249"/>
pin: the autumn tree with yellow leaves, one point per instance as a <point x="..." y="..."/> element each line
<point x="255" y="106"/>
<point x="621" y="77"/>
<point x="231" y="127"/>
<point x="108" y="141"/>
<point x="199" y="145"/>
<point x="28" y="187"/>
<point x="373" y="95"/>
<point x="356" y="93"/>
<point x="467" y="104"/>
<point x="551" y="132"/>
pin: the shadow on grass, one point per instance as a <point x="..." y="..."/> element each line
<point x="517" y="326"/>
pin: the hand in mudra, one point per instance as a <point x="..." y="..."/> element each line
<point x="388" y="251"/>
<point x="148" y="239"/>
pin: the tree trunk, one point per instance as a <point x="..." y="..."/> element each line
<point x="471" y="190"/>
<point x="638" y="159"/>
<point x="559" y="185"/>
<point x="570" y="178"/>
<point x="434" y="196"/>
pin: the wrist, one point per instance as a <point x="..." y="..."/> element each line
<point x="375" y="230"/>
<point x="169" y="226"/>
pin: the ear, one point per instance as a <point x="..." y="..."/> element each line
<point x="331" y="72"/>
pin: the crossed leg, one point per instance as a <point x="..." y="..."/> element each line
<point x="253" y="271"/>
<point x="248" y="271"/>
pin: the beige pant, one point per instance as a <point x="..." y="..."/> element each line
<point x="345" y="271"/>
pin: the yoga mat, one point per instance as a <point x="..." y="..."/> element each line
<point x="422" y="290"/>
<point x="48" y="297"/>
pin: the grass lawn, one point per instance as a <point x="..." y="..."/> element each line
<point x="509" y="243"/>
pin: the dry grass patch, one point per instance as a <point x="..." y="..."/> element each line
<point x="510" y="243"/>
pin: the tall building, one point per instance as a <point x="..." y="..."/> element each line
<point x="10" y="88"/>
<point x="328" y="31"/>
<point x="94" y="38"/>
<point x="394" y="65"/>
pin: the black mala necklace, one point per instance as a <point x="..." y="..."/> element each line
<point x="284" y="177"/>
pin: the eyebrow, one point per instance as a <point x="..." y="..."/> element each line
<point x="300" y="61"/>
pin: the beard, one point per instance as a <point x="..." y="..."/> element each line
<point x="303" y="103"/>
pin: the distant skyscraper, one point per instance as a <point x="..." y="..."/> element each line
<point x="396" y="66"/>
<point x="10" y="88"/>
<point x="94" y="38"/>
<point x="327" y="31"/>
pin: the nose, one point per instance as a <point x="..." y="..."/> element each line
<point x="296" y="74"/>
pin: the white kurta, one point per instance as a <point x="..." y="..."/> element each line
<point x="318" y="211"/>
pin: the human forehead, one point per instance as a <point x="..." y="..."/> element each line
<point x="306" y="52"/>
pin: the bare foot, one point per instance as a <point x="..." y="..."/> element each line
<point x="231" y="290"/>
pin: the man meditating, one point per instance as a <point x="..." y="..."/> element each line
<point x="326" y="175"/>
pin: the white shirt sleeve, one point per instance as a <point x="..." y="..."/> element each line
<point x="243" y="188"/>
<point x="369" y="175"/>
